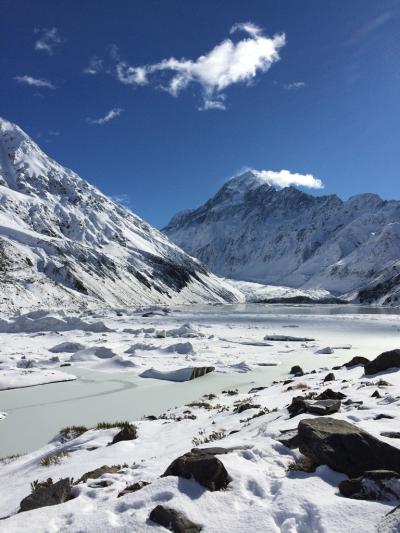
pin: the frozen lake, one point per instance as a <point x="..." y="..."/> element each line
<point x="35" y="414"/>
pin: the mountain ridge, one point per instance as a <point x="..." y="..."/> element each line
<point x="289" y="237"/>
<point x="63" y="242"/>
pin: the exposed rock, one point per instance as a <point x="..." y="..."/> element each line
<point x="383" y="362"/>
<point x="67" y="347"/>
<point x="372" y="485"/>
<point x="381" y="416"/>
<point x="245" y="406"/>
<point x="128" y="432"/>
<point x="133" y="488"/>
<point x="390" y="522"/>
<point x="329" y="394"/>
<point x="327" y="350"/>
<point x="173" y="520"/>
<point x="286" y="338"/>
<point x="98" y="472"/>
<point x="199" y="371"/>
<point x="296" y="371"/>
<point x="289" y="438"/>
<point x="376" y="394"/>
<point x="322" y="407"/>
<point x="204" y="467"/>
<point x="101" y="484"/>
<point x="391" y="434"/>
<point x="345" y="447"/>
<point x="329" y="377"/>
<point x="47" y="493"/>
<point x="319" y="407"/>
<point x="356" y="361"/>
<point x="256" y="389"/>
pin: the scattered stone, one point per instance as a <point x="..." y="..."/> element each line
<point x="296" y="371"/>
<point x="67" y="347"/>
<point x="390" y="522"/>
<point x="322" y="407"/>
<point x="100" y="484"/>
<point x="287" y="381"/>
<point x="327" y="350"/>
<point x="329" y="394"/>
<point x="45" y="493"/>
<point x="256" y="389"/>
<point x="376" y="394"/>
<point x="98" y="472"/>
<point x="65" y="364"/>
<point x="381" y="416"/>
<point x="383" y="362"/>
<point x="356" y="361"/>
<point x="128" y="432"/>
<point x="349" y="401"/>
<point x="173" y="520"/>
<point x="203" y="466"/>
<point x="287" y="338"/>
<point x="329" y="377"/>
<point x="391" y="434"/>
<point x="245" y="406"/>
<point x="318" y="407"/>
<point x="133" y="488"/>
<point x="372" y="485"/>
<point x="344" y="447"/>
<point x="289" y="438"/>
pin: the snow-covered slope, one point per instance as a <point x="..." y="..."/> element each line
<point x="251" y="231"/>
<point x="62" y="242"/>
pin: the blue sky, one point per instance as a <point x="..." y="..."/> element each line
<point x="116" y="91"/>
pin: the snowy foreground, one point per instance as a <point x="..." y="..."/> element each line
<point x="270" y="486"/>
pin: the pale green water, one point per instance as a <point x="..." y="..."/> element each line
<point x="36" y="414"/>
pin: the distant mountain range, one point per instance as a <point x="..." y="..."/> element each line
<point x="252" y="231"/>
<point x="62" y="242"/>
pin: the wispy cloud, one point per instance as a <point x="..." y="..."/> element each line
<point x="34" y="82"/>
<point x="113" y="113"/>
<point x="48" y="39"/>
<point x="285" y="178"/>
<point x="95" y="66"/>
<point x="228" y="63"/>
<point x="294" y="85"/>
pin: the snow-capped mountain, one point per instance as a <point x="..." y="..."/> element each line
<point x="63" y="242"/>
<point x="251" y="231"/>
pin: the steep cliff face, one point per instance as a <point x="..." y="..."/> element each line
<point x="63" y="242"/>
<point x="254" y="232"/>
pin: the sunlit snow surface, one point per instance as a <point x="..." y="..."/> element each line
<point x="262" y="495"/>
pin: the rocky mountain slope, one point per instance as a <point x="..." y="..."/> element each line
<point x="251" y="231"/>
<point x="62" y="242"/>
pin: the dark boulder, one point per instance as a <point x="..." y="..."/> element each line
<point x="45" y="493"/>
<point x="344" y="447"/>
<point x="383" y="362"/>
<point x="296" y="371"/>
<point x="372" y="485"/>
<point x="358" y="360"/>
<point x="329" y="394"/>
<point x="330" y="377"/>
<point x="376" y="394"/>
<point x="98" y="472"/>
<point x="300" y="405"/>
<point x="391" y="434"/>
<point x="204" y="467"/>
<point x="128" y="432"/>
<point x="173" y="520"/>
<point x="133" y="488"/>
<point x="289" y="438"/>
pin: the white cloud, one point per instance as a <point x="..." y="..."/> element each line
<point x="113" y="113"/>
<point x="95" y="66"/>
<point x="294" y="85"/>
<point x="49" y="38"/>
<point x="285" y="178"/>
<point x="34" y="82"/>
<point x="226" y="64"/>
